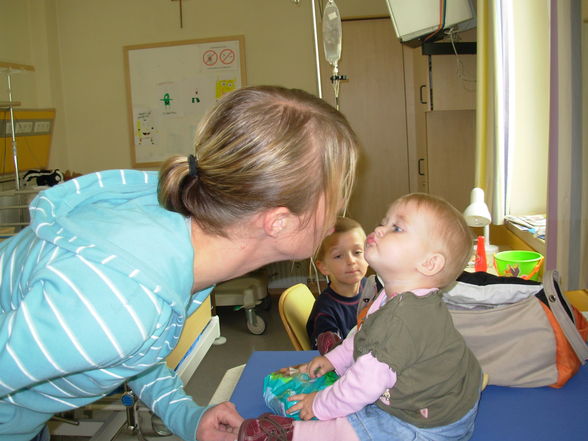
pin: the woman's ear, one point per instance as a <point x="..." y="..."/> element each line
<point x="432" y="264"/>
<point x="276" y="220"/>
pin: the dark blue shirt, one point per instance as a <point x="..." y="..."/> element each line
<point x="332" y="312"/>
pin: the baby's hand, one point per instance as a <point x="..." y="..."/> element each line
<point x="304" y="405"/>
<point x="319" y="366"/>
<point x="291" y="370"/>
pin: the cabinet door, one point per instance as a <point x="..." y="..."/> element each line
<point x="451" y="138"/>
<point x="416" y="78"/>
<point x="373" y="100"/>
<point x="454" y="82"/>
<point x="453" y="78"/>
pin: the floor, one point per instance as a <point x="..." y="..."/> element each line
<point x="220" y="358"/>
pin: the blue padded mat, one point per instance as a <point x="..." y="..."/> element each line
<point x="505" y="414"/>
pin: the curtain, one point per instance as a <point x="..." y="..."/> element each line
<point x="513" y="105"/>
<point x="531" y="140"/>
<point x="567" y="215"/>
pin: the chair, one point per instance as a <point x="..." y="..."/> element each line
<point x="294" y="307"/>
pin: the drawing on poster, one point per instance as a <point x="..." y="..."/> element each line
<point x="224" y="86"/>
<point x="146" y="129"/>
<point x="169" y="99"/>
<point x="171" y="86"/>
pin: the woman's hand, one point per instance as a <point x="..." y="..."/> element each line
<point x="219" y="423"/>
<point x="304" y="405"/>
<point x="319" y="366"/>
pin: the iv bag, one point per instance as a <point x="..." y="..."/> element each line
<point x="332" y="33"/>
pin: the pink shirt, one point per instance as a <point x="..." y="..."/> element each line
<point x="362" y="382"/>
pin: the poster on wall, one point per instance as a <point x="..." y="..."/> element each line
<point x="169" y="88"/>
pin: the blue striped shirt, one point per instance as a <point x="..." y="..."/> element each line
<point x="94" y="292"/>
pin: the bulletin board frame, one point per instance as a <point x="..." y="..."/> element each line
<point x="170" y="86"/>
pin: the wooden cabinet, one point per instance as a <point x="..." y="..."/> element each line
<point x="453" y="81"/>
<point x="373" y="100"/>
<point x="406" y="147"/>
<point x="451" y="155"/>
<point x="444" y="91"/>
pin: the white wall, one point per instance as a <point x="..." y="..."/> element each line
<point x="76" y="49"/>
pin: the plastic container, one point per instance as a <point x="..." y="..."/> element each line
<point x="518" y="263"/>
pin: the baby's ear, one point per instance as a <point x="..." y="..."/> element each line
<point x="432" y="264"/>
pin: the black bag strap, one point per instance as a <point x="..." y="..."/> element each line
<point x="556" y="300"/>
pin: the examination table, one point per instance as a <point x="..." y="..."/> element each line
<point x="505" y="414"/>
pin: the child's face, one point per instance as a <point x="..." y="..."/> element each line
<point x="344" y="261"/>
<point x="396" y="247"/>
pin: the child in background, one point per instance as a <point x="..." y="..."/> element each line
<point x="340" y="258"/>
<point x="406" y="373"/>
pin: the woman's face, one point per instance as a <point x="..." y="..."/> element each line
<point x="306" y="239"/>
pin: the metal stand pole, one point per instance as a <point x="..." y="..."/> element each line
<point x="316" y="51"/>
<point x="14" y="151"/>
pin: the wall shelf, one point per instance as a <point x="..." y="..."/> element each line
<point x="8" y="104"/>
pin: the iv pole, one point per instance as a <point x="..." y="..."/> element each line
<point x="332" y="44"/>
<point x="316" y="51"/>
<point x="332" y="40"/>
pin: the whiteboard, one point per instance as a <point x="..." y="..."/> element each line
<point x="169" y="88"/>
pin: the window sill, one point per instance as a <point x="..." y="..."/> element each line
<point x="532" y="241"/>
<point x="508" y="237"/>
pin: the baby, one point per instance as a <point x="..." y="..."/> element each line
<point x="340" y="258"/>
<point x="406" y="373"/>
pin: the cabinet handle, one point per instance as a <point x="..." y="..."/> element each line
<point x="421" y="160"/>
<point x="421" y="94"/>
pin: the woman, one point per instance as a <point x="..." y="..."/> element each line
<point x="95" y="292"/>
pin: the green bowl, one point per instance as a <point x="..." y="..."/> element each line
<point x="518" y="263"/>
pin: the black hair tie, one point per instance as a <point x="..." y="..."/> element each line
<point x="193" y="164"/>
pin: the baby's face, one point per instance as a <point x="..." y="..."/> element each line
<point x="400" y="242"/>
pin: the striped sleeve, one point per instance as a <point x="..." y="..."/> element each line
<point x="64" y="326"/>
<point x="162" y="390"/>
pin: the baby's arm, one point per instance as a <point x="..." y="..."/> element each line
<point x="341" y="356"/>
<point x="362" y="384"/>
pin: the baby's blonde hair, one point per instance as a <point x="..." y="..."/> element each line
<point x="263" y="147"/>
<point x="449" y="233"/>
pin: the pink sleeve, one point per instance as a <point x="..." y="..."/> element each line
<point x="341" y="356"/>
<point x="362" y="384"/>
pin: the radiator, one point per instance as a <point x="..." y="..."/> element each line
<point x="285" y="274"/>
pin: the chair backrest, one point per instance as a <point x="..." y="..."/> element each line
<point x="295" y="306"/>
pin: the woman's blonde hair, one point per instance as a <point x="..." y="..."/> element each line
<point x="449" y="233"/>
<point x="258" y="148"/>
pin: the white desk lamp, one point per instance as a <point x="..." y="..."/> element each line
<point x="477" y="214"/>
